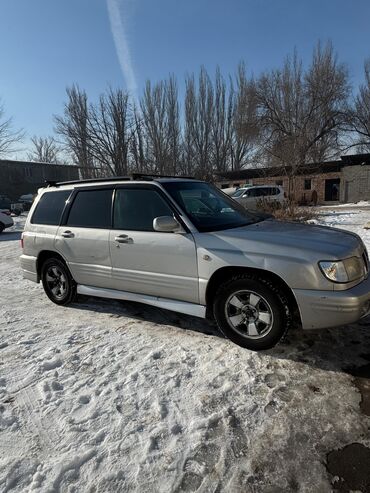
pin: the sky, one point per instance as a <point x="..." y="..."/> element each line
<point x="46" y="45"/>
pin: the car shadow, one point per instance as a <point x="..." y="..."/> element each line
<point x="10" y="235"/>
<point x="337" y="349"/>
<point x="146" y="313"/>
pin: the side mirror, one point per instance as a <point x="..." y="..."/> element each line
<point x="166" y="224"/>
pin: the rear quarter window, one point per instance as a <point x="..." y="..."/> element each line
<point x="50" y="207"/>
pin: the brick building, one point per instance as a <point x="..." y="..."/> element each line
<point x="343" y="180"/>
<point x="23" y="177"/>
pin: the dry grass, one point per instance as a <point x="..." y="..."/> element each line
<point x="289" y="211"/>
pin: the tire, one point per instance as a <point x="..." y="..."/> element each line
<point x="251" y="312"/>
<point x="57" y="281"/>
<point x="2" y="227"/>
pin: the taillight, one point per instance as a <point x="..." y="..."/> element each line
<point x="22" y="241"/>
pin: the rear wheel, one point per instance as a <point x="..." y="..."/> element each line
<point x="251" y="312"/>
<point x="57" y="281"/>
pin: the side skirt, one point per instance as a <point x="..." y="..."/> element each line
<point x="167" y="304"/>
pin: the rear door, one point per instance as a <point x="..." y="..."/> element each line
<point x="83" y="237"/>
<point x="146" y="261"/>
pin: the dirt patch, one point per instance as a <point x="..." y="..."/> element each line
<point x="350" y="469"/>
<point x="362" y="382"/>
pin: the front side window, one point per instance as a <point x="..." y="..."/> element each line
<point x="208" y="208"/>
<point x="254" y="192"/>
<point x="91" y="209"/>
<point x="239" y="193"/>
<point x="135" y="209"/>
<point x="50" y="207"/>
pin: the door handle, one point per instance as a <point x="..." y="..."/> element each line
<point x="123" y="239"/>
<point x="67" y="234"/>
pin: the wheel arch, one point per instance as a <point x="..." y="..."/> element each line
<point x="43" y="256"/>
<point x="225" y="273"/>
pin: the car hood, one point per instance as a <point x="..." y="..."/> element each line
<point x="326" y="242"/>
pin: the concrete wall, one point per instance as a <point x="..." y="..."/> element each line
<point x="18" y="178"/>
<point x="356" y="183"/>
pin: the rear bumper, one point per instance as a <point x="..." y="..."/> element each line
<point x="29" y="267"/>
<point x="320" y="309"/>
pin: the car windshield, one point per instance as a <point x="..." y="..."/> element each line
<point x="208" y="208"/>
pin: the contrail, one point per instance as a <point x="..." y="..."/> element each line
<point x="122" y="47"/>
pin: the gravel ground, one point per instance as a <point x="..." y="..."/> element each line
<point x="108" y="396"/>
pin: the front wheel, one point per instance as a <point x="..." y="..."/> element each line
<point x="57" y="281"/>
<point x="251" y="312"/>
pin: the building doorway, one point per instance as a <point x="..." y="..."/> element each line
<point x="332" y="189"/>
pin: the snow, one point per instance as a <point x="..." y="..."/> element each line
<point x="110" y="396"/>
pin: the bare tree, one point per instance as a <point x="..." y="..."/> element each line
<point x="173" y="126"/>
<point x="138" y="144"/>
<point x="301" y="111"/>
<point x="45" y="150"/>
<point x="73" y="128"/>
<point x="110" y="130"/>
<point x="221" y="124"/>
<point x="198" y="124"/>
<point x="9" y="138"/>
<point x="359" y="121"/>
<point x="245" y="124"/>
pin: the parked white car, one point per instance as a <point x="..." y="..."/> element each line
<point x="250" y="196"/>
<point x="5" y="220"/>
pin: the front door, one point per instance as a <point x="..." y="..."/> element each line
<point x="143" y="260"/>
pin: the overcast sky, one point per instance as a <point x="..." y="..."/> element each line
<point x="46" y="45"/>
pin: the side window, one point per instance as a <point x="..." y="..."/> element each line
<point x="259" y="192"/>
<point x="50" y="207"/>
<point x="135" y="210"/>
<point x="91" y="209"/>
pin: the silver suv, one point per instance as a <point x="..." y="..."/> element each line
<point x="183" y="245"/>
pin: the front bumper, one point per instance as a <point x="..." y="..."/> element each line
<point x="29" y="267"/>
<point x="320" y="309"/>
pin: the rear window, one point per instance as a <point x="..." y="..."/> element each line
<point x="91" y="209"/>
<point x="50" y="207"/>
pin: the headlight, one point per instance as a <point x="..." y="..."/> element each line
<point x="347" y="270"/>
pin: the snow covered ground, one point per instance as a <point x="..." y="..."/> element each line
<point x="109" y="396"/>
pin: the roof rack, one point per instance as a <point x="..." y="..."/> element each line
<point x="150" y="176"/>
<point x="51" y="183"/>
<point x="133" y="176"/>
